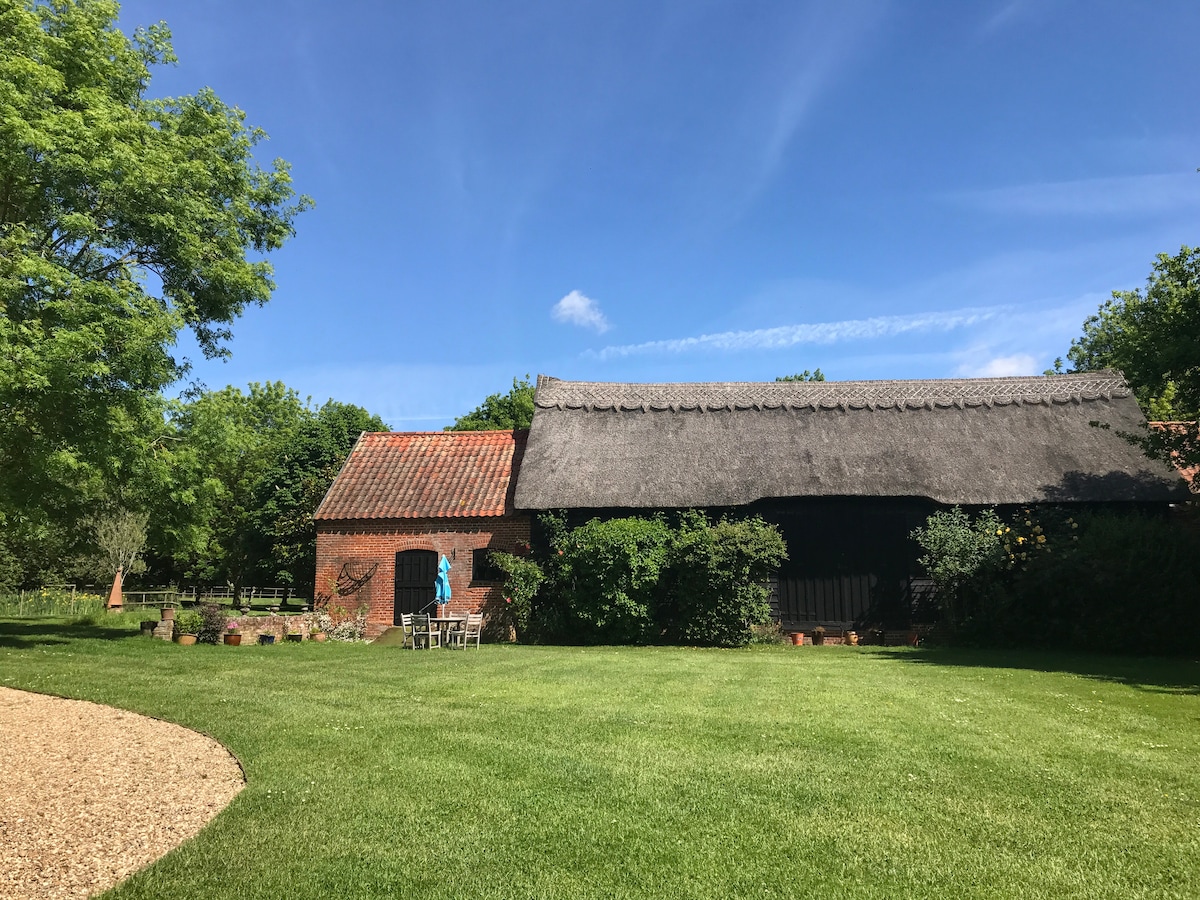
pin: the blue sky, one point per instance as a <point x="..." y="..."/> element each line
<point x="694" y="190"/>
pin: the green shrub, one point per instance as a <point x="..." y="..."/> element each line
<point x="188" y="621"/>
<point x="1107" y="582"/>
<point x="961" y="555"/>
<point x="717" y="590"/>
<point x="523" y="577"/>
<point x="606" y="578"/>
<point x="1095" y="581"/>
<point x="212" y="624"/>
<point x="639" y="580"/>
<point x="769" y="633"/>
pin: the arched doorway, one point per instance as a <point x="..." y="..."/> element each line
<point x="415" y="574"/>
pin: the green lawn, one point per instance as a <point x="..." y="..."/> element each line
<point x="523" y="772"/>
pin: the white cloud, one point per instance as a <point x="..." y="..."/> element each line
<point x="809" y="333"/>
<point x="1002" y="366"/>
<point x="579" y="309"/>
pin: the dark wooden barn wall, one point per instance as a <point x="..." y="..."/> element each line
<point x="850" y="560"/>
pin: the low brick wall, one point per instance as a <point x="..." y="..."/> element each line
<point x="278" y="625"/>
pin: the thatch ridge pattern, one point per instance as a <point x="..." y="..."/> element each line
<point x="929" y="394"/>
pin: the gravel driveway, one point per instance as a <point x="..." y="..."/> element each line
<point x="91" y="794"/>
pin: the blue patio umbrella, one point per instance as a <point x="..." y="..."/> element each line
<point x="441" y="584"/>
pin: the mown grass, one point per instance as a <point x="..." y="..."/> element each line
<point x="519" y="772"/>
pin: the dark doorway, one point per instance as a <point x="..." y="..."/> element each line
<point x="415" y="574"/>
<point x="851" y="560"/>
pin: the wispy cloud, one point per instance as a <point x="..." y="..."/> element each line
<point x="1001" y="366"/>
<point x="807" y="333"/>
<point x="1130" y="195"/>
<point x="578" y="309"/>
<point x="1005" y="15"/>
<point x="1027" y="342"/>
<point x="824" y="41"/>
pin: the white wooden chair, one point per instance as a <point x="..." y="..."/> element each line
<point x="455" y="631"/>
<point x="473" y="629"/>
<point x="426" y="635"/>
<point x="406" y="626"/>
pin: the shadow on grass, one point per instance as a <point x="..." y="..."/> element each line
<point x="40" y="632"/>
<point x="1158" y="675"/>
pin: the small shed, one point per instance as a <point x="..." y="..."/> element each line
<point x="405" y="499"/>
<point x="846" y="469"/>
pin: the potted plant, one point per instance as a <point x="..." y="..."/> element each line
<point x="147" y="627"/>
<point x="316" y="634"/>
<point x="798" y="638"/>
<point x="266" y="638"/>
<point x="294" y="634"/>
<point x="819" y="636"/>
<point x="233" y="634"/>
<point x="187" y="625"/>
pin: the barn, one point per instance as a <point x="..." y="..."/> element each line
<point x="846" y="469"/>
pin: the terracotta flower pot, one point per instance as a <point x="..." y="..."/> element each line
<point x="186" y="639"/>
<point x="318" y="636"/>
<point x="797" y="638"/>
<point x="233" y="640"/>
<point x="168" y="614"/>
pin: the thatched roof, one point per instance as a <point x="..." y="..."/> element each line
<point x="425" y="474"/>
<point x="968" y="441"/>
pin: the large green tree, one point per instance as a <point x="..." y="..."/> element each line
<point x="123" y="220"/>
<point x="1153" y="337"/>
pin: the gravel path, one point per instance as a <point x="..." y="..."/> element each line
<point x="90" y="794"/>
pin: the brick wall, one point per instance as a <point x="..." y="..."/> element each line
<point x="365" y="543"/>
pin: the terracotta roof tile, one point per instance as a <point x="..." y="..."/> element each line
<point x="426" y="474"/>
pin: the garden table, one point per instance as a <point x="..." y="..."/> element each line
<point x="447" y="624"/>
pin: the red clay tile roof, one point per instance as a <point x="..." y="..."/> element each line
<point x="426" y="474"/>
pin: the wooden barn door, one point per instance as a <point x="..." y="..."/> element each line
<point x="415" y="574"/>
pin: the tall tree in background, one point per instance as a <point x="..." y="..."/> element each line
<point x="1153" y="337"/>
<point x="228" y="440"/>
<point x="292" y="487"/>
<point x="500" y="412"/>
<point x="123" y="220"/>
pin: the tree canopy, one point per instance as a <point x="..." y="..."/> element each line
<point x="814" y="375"/>
<point x="123" y="221"/>
<point x="1153" y="337"/>
<point x="292" y="487"/>
<point x="500" y="412"/>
